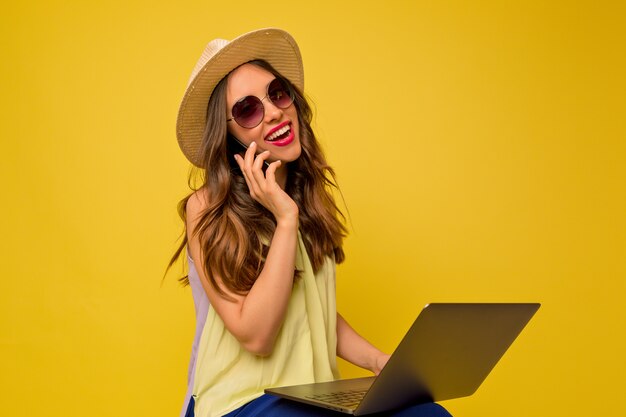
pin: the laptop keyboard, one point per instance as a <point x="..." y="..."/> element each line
<point x="347" y="399"/>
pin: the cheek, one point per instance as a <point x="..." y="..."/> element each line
<point x="247" y="136"/>
<point x="293" y="115"/>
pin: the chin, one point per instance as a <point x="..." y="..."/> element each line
<point x="295" y="154"/>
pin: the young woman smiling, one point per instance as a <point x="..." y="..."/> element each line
<point x="263" y="235"/>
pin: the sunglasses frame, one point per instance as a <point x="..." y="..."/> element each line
<point x="286" y="87"/>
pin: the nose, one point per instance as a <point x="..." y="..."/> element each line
<point x="272" y="112"/>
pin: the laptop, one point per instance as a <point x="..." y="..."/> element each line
<point x="447" y="353"/>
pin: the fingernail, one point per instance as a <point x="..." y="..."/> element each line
<point x="253" y="144"/>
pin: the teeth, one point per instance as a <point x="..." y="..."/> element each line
<point x="279" y="132"/>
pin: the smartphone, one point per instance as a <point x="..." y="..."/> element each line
<point x="238" y="146"/>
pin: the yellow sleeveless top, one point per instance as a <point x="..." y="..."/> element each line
<point x="227" y="376"/>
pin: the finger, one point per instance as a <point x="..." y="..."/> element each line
<point x="240" y="162"/>
<point x="270" y="172"/>
<point x="254" y="175"/>
<point x="260" y="159"/>
<point x="257" y="168"/>
<point x="248" y="170"/>
<point x="249" y="155"/>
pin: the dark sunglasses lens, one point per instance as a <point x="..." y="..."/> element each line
<point x="280" y="94"/>
<point x="248" y="112"/>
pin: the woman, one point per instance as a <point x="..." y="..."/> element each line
<point x="263" y="235"/>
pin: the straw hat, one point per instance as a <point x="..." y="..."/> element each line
<point x="218" y="59"/>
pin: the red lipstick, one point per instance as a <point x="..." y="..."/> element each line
<point x="281" y="135"/>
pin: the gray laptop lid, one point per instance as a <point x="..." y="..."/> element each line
<point x="447" y="353"/>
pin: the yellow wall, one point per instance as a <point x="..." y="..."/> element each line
<point x="480" y="146"/>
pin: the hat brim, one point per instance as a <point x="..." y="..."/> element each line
<point x="275" y="46"/>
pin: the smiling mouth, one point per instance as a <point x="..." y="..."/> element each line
<point x="279" y="134"/>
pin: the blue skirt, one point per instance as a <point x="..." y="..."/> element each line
<point x="271" y="406"/>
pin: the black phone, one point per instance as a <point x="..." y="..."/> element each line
<point x="238" y="146"/>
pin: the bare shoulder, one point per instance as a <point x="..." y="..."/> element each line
<point x="196" y="204"/>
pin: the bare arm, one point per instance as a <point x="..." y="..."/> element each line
<point x="256" y="317"/>
<point x="352" y="347"/>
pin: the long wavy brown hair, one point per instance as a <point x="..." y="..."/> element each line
<point x="234" y="229"/>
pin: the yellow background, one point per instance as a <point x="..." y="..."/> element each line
<point x="480" y="147"/>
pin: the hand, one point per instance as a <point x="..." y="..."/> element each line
<point x="380" y="362"/>
<point x="263" y="187"/>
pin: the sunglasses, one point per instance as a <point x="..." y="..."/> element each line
<point x="250" y="111"/>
